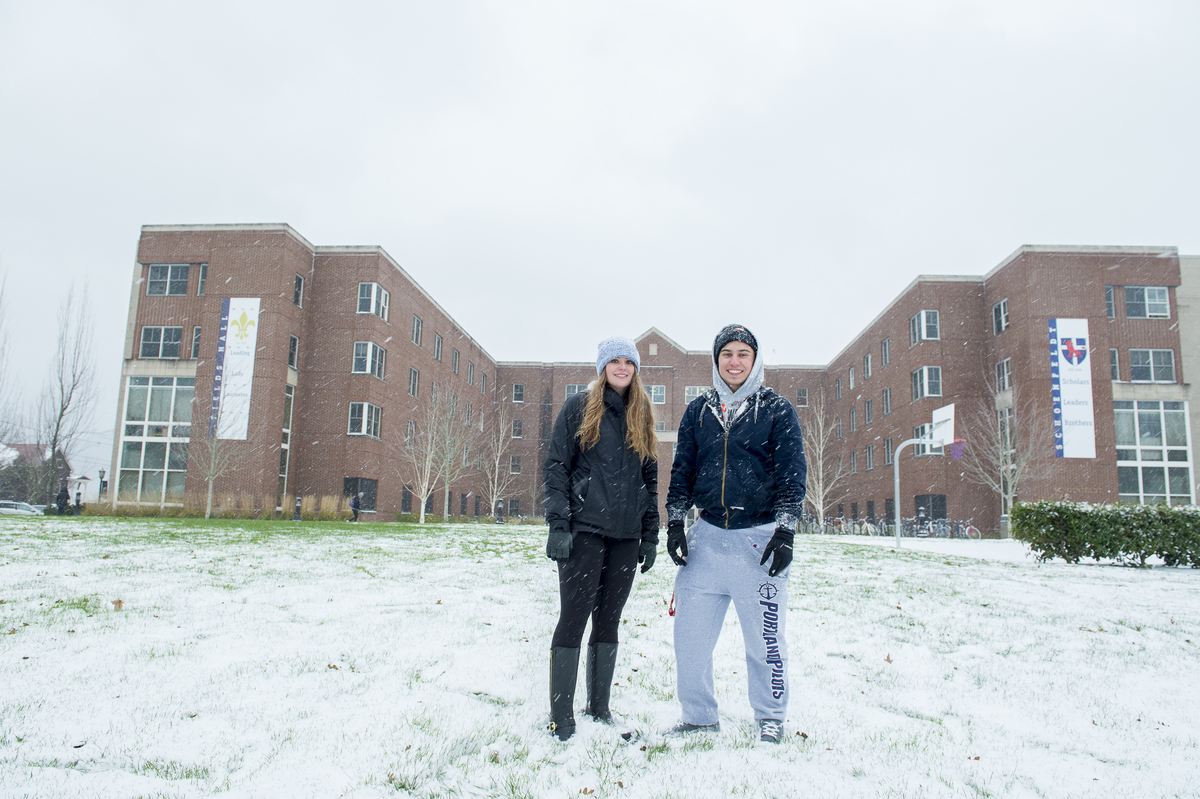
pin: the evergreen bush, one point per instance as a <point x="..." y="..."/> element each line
<point x="1124" y="533"/>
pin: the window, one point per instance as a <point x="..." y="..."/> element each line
<point x="483" y="382"/>
<point x="433" y="391"/>
<point x="369" y="359"/>
<point x="462" y="504"/>
<point x="1110" y="306"/>
<point x="410" y="430"/>
<point x="854" y="462"/>
<point x="1114" y="365"/>
<point x="154" y="440"/>
<point x="837" y="388"/>
<point x="871" y="510"/>
<point x="922" y="431"/>
<point x="868" y="416"/>
<point x="923" y="327"/>
<point x="660" y="426"/>
<point x="851" y="384"/>
<point x="1000" y="317"/>
<point x="1149" y="366"/>
<point x="516" y="428"/>
<point x="802" y="398"/>
<point x="364" y="419"/>
<point x="575" y="388"/>
<point x="887" y="401"/>
<point x="658" y="394"/>
<point x="518" y="392"/>
<point x="368" y="487"/>
<point x="887" y="451"/>
<point x="416" y="331"/>
<point x="885" y="354"/>
<point x="866" y="366"/>
<point x="203" y="280"/>
<point x="927" y="382"/>
<point x="1146" y="302"/>
<point x="414" y="381"/>
<point x="467" y="414"/>
<point x="437" y="347"/>
<point x="470" y="373"/>
<point x="838" y="427"/>
<point x="161" y="342"/>
<point x="1153" y="458"/>
<point x="196" y="342"/>
<point x="1004" y="375"/>
<point x="293" y="352"/>
<point x="853" y="416"/>
<point x="514" y="464"/>
<point x="406" y="498"/>
<point x="514" y="507"/>
<point x="869" y="457"/>
<point x="167" y="280"/>
<point x="289" y="396"/>
<point x="454" y="360"/>
<point x="692" y="392"/>
<point x="298" y="292"/>
<point x="373" y="299"/>
<point x="854" y="511"/>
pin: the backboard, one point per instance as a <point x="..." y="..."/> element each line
<point x="942" y="429"/>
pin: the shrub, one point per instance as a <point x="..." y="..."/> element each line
<point x="1124" y="533"/>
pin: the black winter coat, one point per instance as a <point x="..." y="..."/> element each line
<point x="606" y="488"/>
<point x="750" y="474"/>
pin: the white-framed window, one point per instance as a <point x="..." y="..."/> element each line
<point x="921" y="431"/>
<point x="514" y="464"/>
<point x="853" y="419"/>
<point x="298" y="292"/>
<point x="850" y="385"/>
<point x="869" y="457"/>
<point x="517" y="428"/>
<point x="660" y="426"/>
<point x="1147" y="302"/>
<point x="161" y="342"/>
<point x="195" y="342"/>
<point x="365" y="420"/>
<point x="927" y="382"/>
<point x="1110" y="304"/>
<point x="1114" y="364"/>
<point x="887" y="401"/>
<point x="1000" y="317"/>
<point x="923" y="326"/>
<point x="167" y="280"/>
<point x="467" y="414"/>
<point x="867" y="366"/>
<point x="410" y="430"/>
<point x="692" y="392"/>
<point x="437" y="346"/>
<point x="854" y="462"/>
<point x="1152" y="366"/>
<point x="414" y="381"/>
<point x="433" y="389"/>
<point x="454" y="360"/>
<point x="483" y="382"/>
<point x="802" y="397"/>
<point x="658" y="394"/>
<point x="885" y="351"/>
<point x="373" y="299"/>
<point x="887" y="452"/>
<point x="837" y="388"/>
<point x="518" y="392"/>
<point x="470" y="373"/>
<point x="1004" y="375"/>
<point x="868" y="413"/>
<point x="576" y="388"/>
<point x="1153" y="457"/>
<point x="838" y="428"/>
<point x="154" y="439"/>
<point x="369" y="359"/>
<point x="294" y="352"/>
<point x="200" y="285"/>
<point x="289" y="396"/>
<point x="416" y="330"/>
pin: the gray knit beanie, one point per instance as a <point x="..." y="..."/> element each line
<point x="617" y="347"/>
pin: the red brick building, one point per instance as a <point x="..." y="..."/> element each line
<point x="349" y="346"/>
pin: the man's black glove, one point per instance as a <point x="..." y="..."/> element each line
<point x="677" y="542"/>
<point x="781" y="545"/>
<point x="646" y="554"/>
<point x="558" y="545"/>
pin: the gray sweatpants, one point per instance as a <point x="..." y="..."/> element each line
<point x="723" y="565"/>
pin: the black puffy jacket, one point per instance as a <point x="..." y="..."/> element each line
<point x="606" y="488"/>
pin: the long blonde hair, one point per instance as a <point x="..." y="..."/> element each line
<point x="639" y="418"/>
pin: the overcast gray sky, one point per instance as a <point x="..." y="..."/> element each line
<point x="557" y="172"/>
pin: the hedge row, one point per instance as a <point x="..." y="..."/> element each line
<point x="1128" y="534"/>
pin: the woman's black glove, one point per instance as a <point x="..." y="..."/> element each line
<point x="558" y="545"/>
<point x="646" y="554"/>
<point x="677" y="542"/>
<point x="781" y="545"/>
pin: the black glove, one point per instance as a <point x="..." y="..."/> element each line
<point x="646" y="554"/>
<point x="558" y="545"/>
<point x="781" y="545"/>
<point x="677" y="542"/>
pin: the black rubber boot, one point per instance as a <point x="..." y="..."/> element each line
<point x="564" y="672"/>
<point x="601" y="663"/>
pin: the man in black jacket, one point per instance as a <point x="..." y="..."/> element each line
<point x="740" y="460"/>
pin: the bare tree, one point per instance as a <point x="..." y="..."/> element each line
<point x="416" y="448"/>
<point x="494" y="456"/>
<point x="214" y="457"/>
<point x="455" y="440"/>
<point x="1008" y="444"/>
<point x="823" y="450"/>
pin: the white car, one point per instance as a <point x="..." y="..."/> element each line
<point x="17" y="509"/>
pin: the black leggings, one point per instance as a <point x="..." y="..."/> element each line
<point x="595" y="581"/>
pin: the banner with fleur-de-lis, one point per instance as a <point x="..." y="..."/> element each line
<point x="233" y="379"/>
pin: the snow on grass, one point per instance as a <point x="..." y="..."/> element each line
<point x="279" y="659"/>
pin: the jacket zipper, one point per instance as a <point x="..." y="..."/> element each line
<point x="724" y="471"/>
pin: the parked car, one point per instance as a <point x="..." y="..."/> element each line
<point x="17" y="508"/>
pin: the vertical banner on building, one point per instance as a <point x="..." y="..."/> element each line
<point x="1071" y="389"/>
<point x="233" y="378"/>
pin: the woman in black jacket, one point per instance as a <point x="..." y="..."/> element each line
<point x="602" y="509"/>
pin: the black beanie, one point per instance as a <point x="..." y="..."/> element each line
<point x="734" y="333"/>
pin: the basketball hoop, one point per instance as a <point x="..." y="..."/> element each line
<point x="956" y="448"/>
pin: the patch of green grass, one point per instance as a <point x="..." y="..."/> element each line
<point x="171" y="770"/>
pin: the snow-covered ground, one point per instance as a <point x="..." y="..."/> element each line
<point x="334" y="660"/>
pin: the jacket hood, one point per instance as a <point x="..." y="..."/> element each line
<point x="745" y="390"/>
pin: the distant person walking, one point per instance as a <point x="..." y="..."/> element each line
<point x="602" y="510"/>
<point x="62" y="500"/>
<point x="355" y="504"/>
<point x="78" y="503"/>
